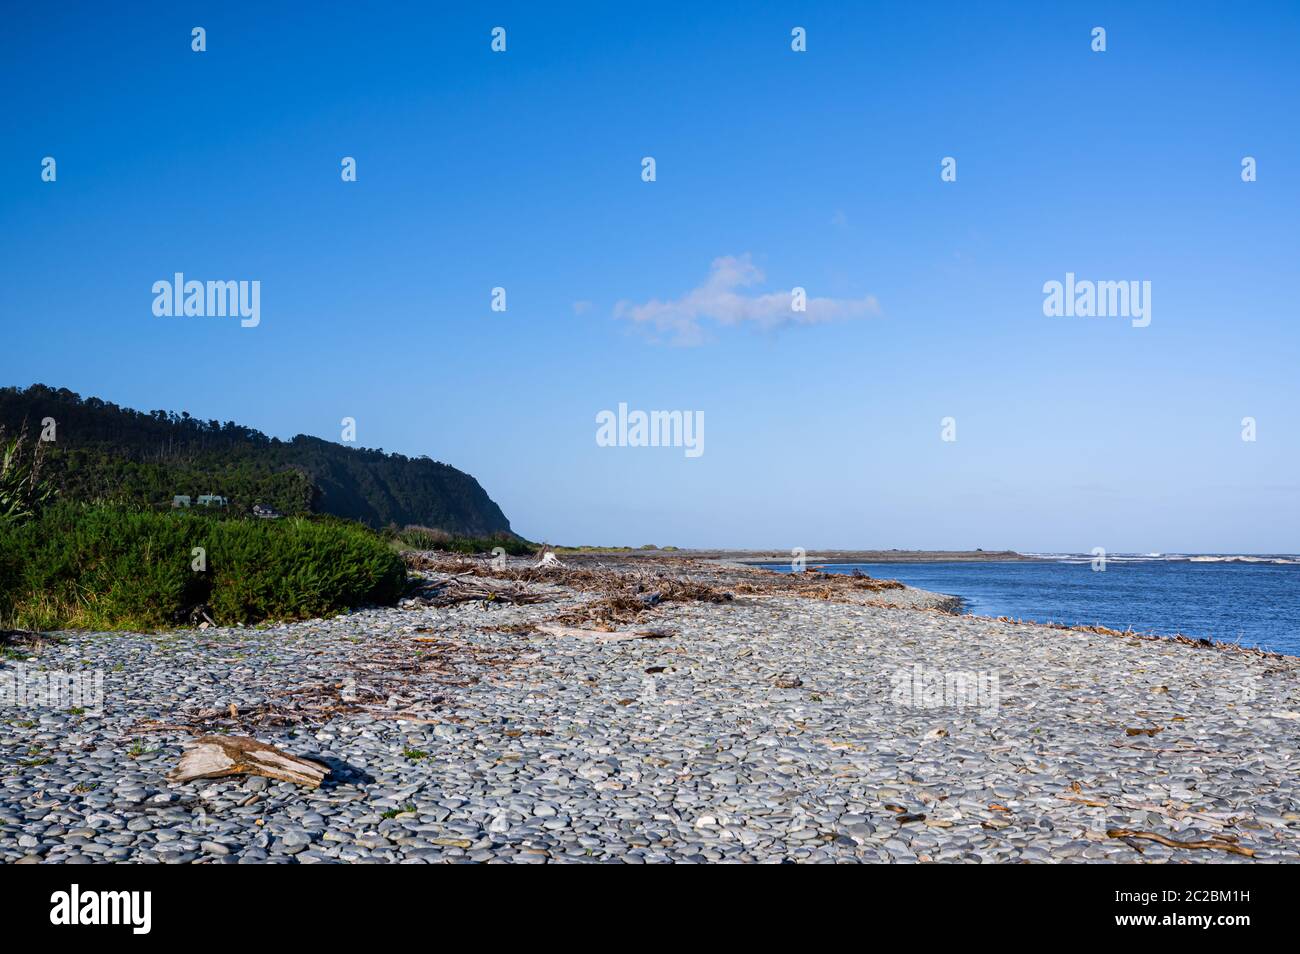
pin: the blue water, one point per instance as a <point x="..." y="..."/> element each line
<point x="1256" y="604"/>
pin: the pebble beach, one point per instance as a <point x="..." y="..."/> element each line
<point x="772" y="723"/>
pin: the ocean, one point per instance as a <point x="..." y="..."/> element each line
<point x="1251" y="600"/>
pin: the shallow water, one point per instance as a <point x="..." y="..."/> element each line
<point x="1254" y="603"/>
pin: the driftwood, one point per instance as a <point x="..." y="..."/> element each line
<point x="1221" y="842"/>
<point x="215" y="756"/>
<point x="547" y="558"/>
<point x="1218" y="820"/>
<point x="1142" y="731"/>
<point x="453" y="591"/>
<point x="1090" y="802"/>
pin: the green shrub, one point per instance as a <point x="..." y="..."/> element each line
<point x="103" y="568"/>
<point x="297" y="569"/>
<point x="427" y="538"/>
<point x="23" y="491"/>
<point x="423" y="538"/>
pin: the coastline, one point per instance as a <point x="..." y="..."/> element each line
<point x="761" y="557"/>
<point x="725" y="713"/>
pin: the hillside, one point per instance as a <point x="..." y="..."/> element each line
<point x="106" y="452"/>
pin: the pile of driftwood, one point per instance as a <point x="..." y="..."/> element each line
<point x="573" y="577"/>
<point x="621" y="597"/>
<point x="626" y="596"/>
<point x="458" y="589"/>
<point x="637" y="597"/>
<point x="816" y="583"/>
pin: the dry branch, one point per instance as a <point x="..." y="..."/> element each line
<point x="1221" y="842"/>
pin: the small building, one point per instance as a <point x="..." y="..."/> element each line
<point x="181" y="500"/>
<point x="212" y="500"/>
<point x="265" y="512"/>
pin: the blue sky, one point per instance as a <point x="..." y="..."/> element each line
<point x="523" y="170"/>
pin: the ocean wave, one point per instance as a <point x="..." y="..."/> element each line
<point x="1243" y="558"/>
<point x="1281" y="559"/>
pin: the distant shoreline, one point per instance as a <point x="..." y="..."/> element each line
<point x="758" y="557"/>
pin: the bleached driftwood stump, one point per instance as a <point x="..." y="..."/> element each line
<point x="214" y="756"/>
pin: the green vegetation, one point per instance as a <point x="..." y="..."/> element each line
<point x="23" y="491"/>
<point x="103" y="453"/>
<point x="591" y="549"/>
<point x="427" y="538"/>
<point x="115" y="554"/>
<point x="81" y="567"/>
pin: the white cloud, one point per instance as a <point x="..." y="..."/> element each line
<point x="720" y="300"/>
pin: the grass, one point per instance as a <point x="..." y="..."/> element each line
<point x="106" y="568"/>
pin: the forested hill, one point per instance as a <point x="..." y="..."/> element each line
<point x="105" y="452"/>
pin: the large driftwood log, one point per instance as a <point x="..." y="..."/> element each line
<point x="214" y="756"/>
